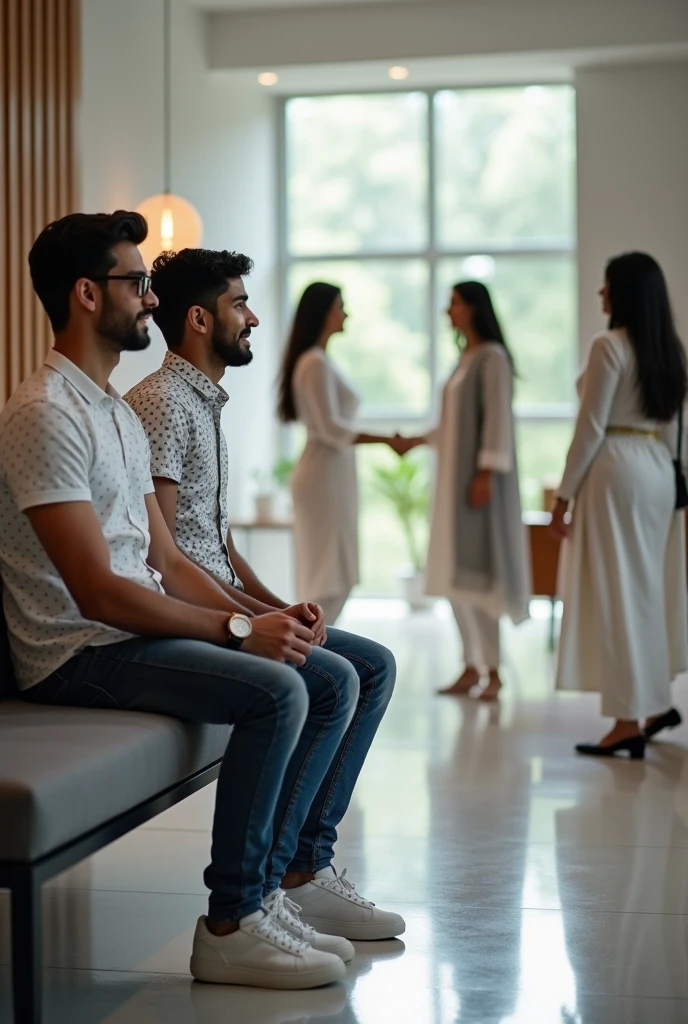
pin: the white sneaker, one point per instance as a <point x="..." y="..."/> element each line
<point x="287" y="914"/>
<point x="331" y="905"/>
<point x="261" y="953"/>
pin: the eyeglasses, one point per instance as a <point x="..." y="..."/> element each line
<point x="143" y="281"/>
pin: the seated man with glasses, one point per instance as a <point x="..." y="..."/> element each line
<point x="104" y="610"/>
<point x="205" y="318"/>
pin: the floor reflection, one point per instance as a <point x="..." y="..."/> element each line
<point x="538" y="888"/>
<point x="478" y="864"/>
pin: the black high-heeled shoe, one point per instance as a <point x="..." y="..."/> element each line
<point x="635" y="745"/>
<point x="669" y="720"/>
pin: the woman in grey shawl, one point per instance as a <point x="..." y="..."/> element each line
<point x="478" y="556"/>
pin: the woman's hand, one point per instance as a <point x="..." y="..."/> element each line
<point x="480" y="493"/>
<point x="559" y="527"/>
<point x="402" y="445"/>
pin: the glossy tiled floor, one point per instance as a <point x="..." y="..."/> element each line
<point x="538" y="888"/>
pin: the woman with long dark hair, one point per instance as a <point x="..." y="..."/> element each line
<point x="478" y="556"/>
<point x="313" y="391"/>
<point x="625" y="617"/>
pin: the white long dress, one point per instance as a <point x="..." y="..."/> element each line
<point x="623" y="580"/>
<point x="324" y="484"/>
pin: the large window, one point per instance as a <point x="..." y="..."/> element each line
<point x="397" y="196"/>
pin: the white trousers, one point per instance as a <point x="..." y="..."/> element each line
<point x="332" y="606"/>
<point x="479" y="631"/>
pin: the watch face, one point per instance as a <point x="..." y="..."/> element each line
<point x="240" y="627"/>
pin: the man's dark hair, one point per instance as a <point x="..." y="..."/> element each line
<point x="78" y="245"/>
<point x="192" y="277"/>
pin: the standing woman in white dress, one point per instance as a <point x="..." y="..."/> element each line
<point x="478" y="555"/>
<point x="324" y="486"/>
<point x="625" y="617"/>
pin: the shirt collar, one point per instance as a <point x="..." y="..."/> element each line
<point x="195" y="377"/>
<point x="78" y="379"/>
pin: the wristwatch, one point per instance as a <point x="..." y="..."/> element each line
<point x="239" y="628"/>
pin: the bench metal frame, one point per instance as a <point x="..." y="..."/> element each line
<point x="25" y="881"/>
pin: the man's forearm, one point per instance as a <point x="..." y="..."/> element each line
<point x="191" y="582"/>
<point x="253" y="586"/>
<point x="128" y="606"/>
<point x="250" y="603"/>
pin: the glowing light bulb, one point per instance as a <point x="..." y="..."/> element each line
<point x="167" y="228"/>
<point x="268" y="78"/>
<point x="173" y="223"/>
<point x="398" y="73"/>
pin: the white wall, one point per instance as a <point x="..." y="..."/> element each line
<point x="435" y="28"/>
<point x="632" y="158"/>
<point x="223" y="161"/>
<point x="632" y="177"/>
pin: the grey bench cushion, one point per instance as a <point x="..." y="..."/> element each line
<point x="66" y="770"/>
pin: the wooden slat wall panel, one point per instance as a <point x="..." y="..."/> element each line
<point x="39" y="97"/>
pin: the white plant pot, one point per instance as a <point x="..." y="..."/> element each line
<point x="412" y="587"/>
<point x="265" y="508"/>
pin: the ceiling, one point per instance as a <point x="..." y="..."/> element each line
<point x="252" y="5"/>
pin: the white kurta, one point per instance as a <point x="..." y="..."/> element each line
<point x="324" y="484"/>
<point x="495" y="452"/>
<point x="623" y="579"/>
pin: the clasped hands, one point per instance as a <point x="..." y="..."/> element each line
<point x="311" y="615"/>
<point x="287" y="634"/>
<point x="402" y="445"/>
<point x="480" y="493"/>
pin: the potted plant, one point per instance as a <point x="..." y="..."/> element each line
<point x="269" y="483"/>
<point x="405" y="486"/>
<point x="282" y="471"/>
<point x="264" y="497"/>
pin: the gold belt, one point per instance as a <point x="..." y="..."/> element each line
<point x="653" y="435"/>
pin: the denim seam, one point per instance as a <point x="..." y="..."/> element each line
<point x="94" y="686"/>
<point x="297" y="785"/>
<point x="64" y="683"/>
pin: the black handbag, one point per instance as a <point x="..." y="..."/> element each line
<point x="681" y="486"/>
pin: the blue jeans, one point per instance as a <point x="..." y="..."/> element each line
<point x="289" y="725"/>
<point x="313" y="803"/>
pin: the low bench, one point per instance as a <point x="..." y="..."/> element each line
<point x="73" y="780"/>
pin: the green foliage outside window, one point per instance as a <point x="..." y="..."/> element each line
<point x="504" y="212"/>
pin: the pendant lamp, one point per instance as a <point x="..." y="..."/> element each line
<point x="173" y="223"/>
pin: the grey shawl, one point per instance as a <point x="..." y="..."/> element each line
<point x="490" y="544"/>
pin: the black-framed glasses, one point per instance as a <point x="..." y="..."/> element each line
<point x="143" y="281"/>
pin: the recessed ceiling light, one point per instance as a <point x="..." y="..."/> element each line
<point x="268" y="78"/>
<point x="398" y="73"/>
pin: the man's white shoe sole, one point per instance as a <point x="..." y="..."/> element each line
<point x="375" y="931"/>
<point x="234" y="974"/>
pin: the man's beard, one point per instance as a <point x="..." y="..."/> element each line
<point x="125" y="332"/>
<point x="228" y="349"/>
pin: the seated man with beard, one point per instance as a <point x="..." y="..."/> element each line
<point x="205" y="319"/>
<point x="104" y="610"/>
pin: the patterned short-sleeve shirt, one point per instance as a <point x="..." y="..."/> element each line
<point x="62" y="439"/>
<point x="180" y="409"/>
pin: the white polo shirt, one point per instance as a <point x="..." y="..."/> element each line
<point x="64" y="439"/>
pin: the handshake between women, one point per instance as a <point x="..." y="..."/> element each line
<point x="402" y="445"/>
